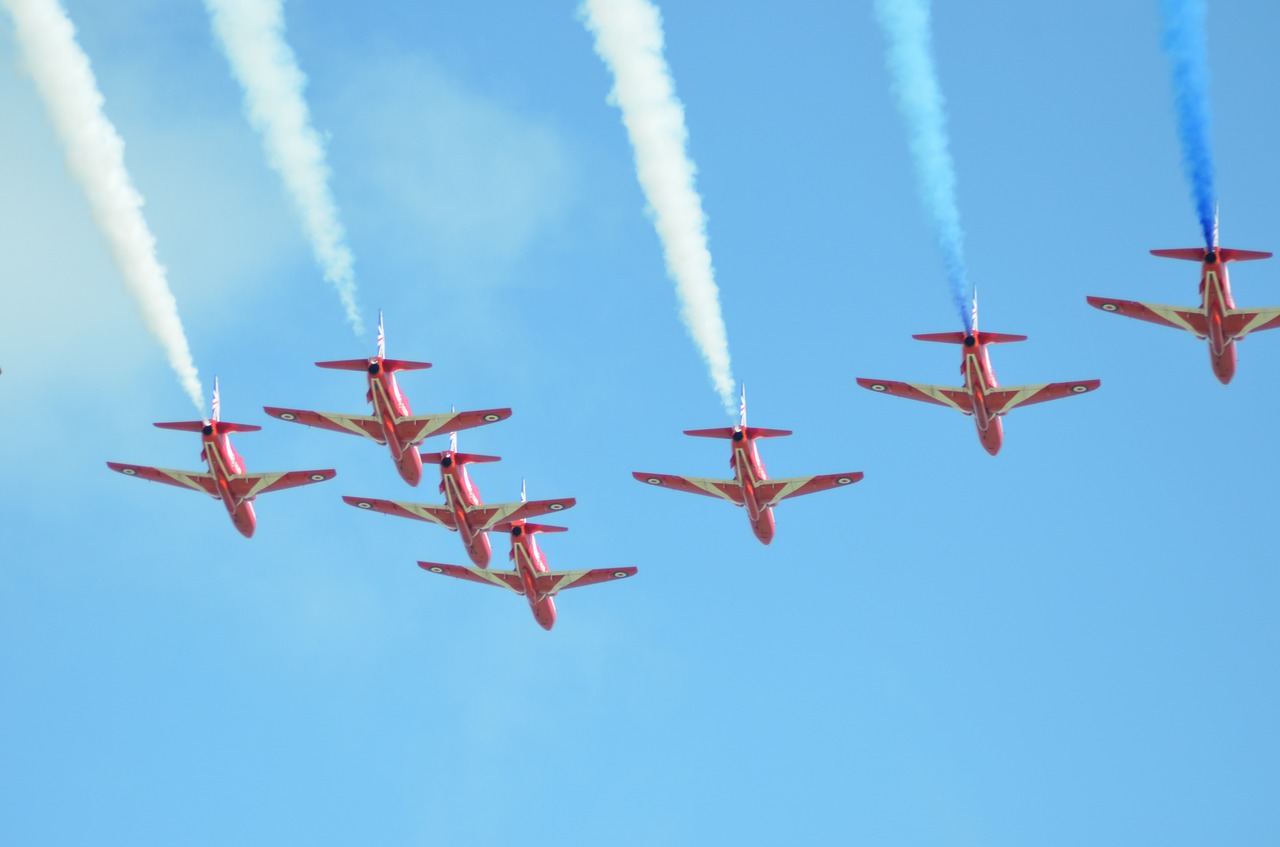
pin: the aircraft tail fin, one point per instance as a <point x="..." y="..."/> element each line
<point x="961" y="337"/>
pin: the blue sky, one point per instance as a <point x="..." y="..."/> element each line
<point x="1069" y="643"/>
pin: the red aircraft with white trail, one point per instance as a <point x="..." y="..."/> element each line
<point x="981" y="397"/>
<point x="392" y="422"/>
<point x="531" y="576"/>
<point x="750" y="487"/>
<point x="463" y="511"/>
<point x="226" y="480"/>
<point x="1217" y="319"/>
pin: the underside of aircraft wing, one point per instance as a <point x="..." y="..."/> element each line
<point x="1001" y="400"/>
<point x="195" y="480"/>
<point x="509" y="580"/>
<point x="553" y="582"/>
<point x="724" y="489"/>
<point x="251" y="485"/>
<point x="414" y="430"/>
<point x="1186" y="318"/>
<point x="335" y="421"/>
<point x="941" y="395"/>
<point x="1240" y="322"/>
<point x="771" y="492"/>
<point x="486" y="517"/>
<point x="439" y="515"/>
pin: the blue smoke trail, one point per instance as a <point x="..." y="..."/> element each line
<point x="915" y="82"/>
<point x="1184" y="44"/>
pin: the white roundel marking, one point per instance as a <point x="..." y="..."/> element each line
<point x="555" y="507"/>
<point x="437" y="570"/>
<point x="619" y="574"/>
<point x="653" y="480"/>
<point x="287" y="416"/>
<point x="877" y="387"/>
<point x="316" y="477"/>
<point x="1079" y="389"/>
<point x="844" y="480"/>
<point x="492" y="418"/>
<point x="363" y="505"/>
<point x="1109" y="307"/>
<point x="128" y="471"/>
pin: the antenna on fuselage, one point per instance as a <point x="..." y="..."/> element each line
<point x="382" y="338"/>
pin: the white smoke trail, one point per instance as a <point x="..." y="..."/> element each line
<point x="252" y="35"/>
<point x="628" y="37"/>
<point x="95" y="155"/>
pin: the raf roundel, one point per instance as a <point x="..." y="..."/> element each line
<point x="555" y="507"/>
<point x="844" y="480"/>
<point x="1079" y="389"/>
<point x="619" y="574"/>
<point x="364" y="505"/>
<point x="653" y="480"/>
<point x="877" y="387"/>
<point x="437" y="570"/>
<point x="128" y="471"/>
<point x="492" y="418"/>
<point x="1109" y="307"/>
<point x="287" y="416"/>
<point x="317" y="477"/>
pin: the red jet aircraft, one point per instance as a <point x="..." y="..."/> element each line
<point x="981" y="396"/>
<point x="531" y="576"/>
<point x="463" y="512"/>
<point x="1217" y="319"/>
<point x="392" y="422"/>
<point x="751" y="487"/>
<point x="226" y="479"/>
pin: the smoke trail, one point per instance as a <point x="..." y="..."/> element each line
<point x="628" y="36"/>
<point x="1184" y="44"/>
<point x="252" y="35"/>
<point x="915" y="81"/>
<point x="95" y="155"/>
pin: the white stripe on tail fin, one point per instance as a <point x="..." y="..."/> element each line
<point x="382" y="338"/>
<point x="742" y="407"/>
<point x="975" y="308"/>
<point x="524" y="496"/>
<point x="1215" y="228"/>
<point x="217" y="403"/>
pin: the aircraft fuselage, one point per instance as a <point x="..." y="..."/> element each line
<point x="749" y="471"/>
<point x="1215" y="295"/>
<point x="529" y="562"/>
<point x="224" y="462"/>
<point x="389" y="407"/>
<point x="461" y="495"/>
<point x="975" y="367"/>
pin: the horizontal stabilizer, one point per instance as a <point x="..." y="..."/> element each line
<point x="198" y="426"/>
<point x="529" y="528"/>
<point x="460" y="458"/>
<point x="1229" y="255"/>
<point x="1190" y="254"/>
<point x="728" y="431"/>
<point x="960" y="337"/>
<point x="397" y="365"/>
<point x="345" y="365"/>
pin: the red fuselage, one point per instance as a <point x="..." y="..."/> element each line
<point x="530" y="562"/>
<point x="975" y="367"/>
<point x="748" y="470"/>
<point x="389" y="407"/>
<point x="224" y="462"/>
<point x="1215" y="296"/>
<point x="461" y="494"/>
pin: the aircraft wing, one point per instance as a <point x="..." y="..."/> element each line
<point x="1179" y="317"/>
<point x="553" y="582"/>
<point x="250" y="485"/>
<point x="509" y="580"/>
<point x="942" y="395"/>
<point x="486" y="517"/>
<point x="1001" y="400"/>
<point x="439" y="515"/>
<point x="724" y="489"/>
<point x="414" y="430"/>
<point x="1240" y="322"/>
<point x="772" y="491"/>
<point x="195" y="480"/>
<point x="355" y="424"/>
